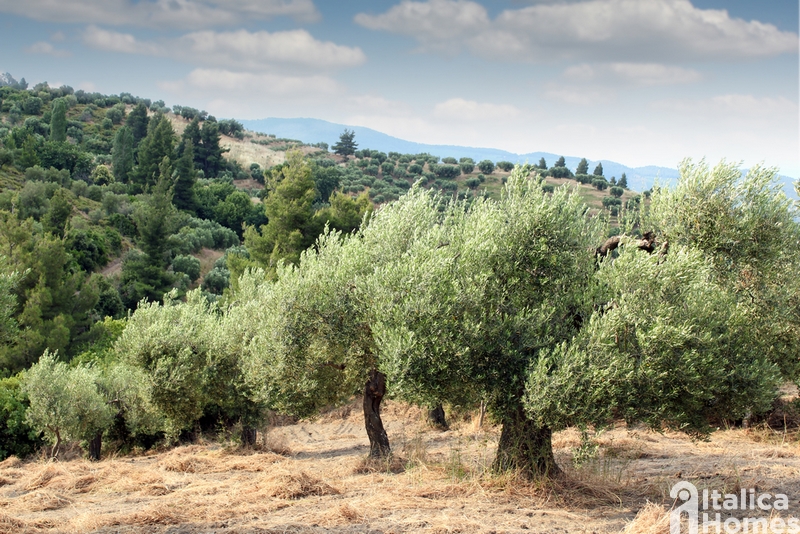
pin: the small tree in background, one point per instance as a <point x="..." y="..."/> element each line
<point x="616" y="191"/>
<point x="505" y="166"/>
<point x="346" y="146"/>
<point x="486" y="166"/>
<point x="623" y="181"/>
<point x="598" y="171"/>
<point x="583" y="167"/>
<point x="58" y="121"/>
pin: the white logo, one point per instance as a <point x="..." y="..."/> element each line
<point x="746" y="500"/>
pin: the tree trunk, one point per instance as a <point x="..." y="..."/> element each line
<point x="249" y="435"/>
<point x="526" y="448"/>
<point x="95" y="444"/>
<point x="373" y="395"/>
<point x="436" y="418"/>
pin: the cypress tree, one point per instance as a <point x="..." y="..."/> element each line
<point x="58" y="121"/>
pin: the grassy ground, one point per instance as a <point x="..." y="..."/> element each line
<point x="313" y="477"/>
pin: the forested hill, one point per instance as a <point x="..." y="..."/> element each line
<point x="316" y="130"/>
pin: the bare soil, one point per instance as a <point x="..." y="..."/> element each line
<point x="313" y="477"/>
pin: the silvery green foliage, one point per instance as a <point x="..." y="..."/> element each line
<point x="481" y="291"/>
<point x="126" y="390"/>
<point x="65" y="403"/>
<point x="308" y="336"/>
<point x="748" y="229"/>
<point x="667" y="346"/>
<point x="172" y="344"/>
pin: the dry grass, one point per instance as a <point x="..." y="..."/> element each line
<point x="652" y="519"/>
<point x="435" y="482"/>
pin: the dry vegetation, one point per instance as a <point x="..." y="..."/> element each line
<point x="313" y="477"/>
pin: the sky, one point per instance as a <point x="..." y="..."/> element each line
<point x="640" y="82"/>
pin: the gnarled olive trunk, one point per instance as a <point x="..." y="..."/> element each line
<point x="95" y="445"/>
<point x="249" y="435"/>
<point x="525" y="448"/>
<point x="436" y="418"/>
<point x="373" y="395"/>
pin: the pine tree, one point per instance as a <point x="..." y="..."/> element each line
<point x="623" y="181"/>
<point x="122" y="154"/>
<point x="137" y="122"/>
<point x="346" y="145"/>
<point x="58" y="121"/>
<point x="209" y="151"/>
<point x="183" y="191"/>
<point x="542" y="164"/>
<point x="583" y="167"/>
<point x="598" y="171"/>
<point x="158" y="144"/>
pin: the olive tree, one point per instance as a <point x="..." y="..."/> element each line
<point x="65" y="403"/>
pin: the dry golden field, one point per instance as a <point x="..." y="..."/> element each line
<point x="313" y="477"/>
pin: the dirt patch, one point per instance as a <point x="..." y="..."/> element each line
<point x="436" y="482"/>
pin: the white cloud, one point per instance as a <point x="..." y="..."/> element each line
<point x="437" y="24"/>
<point x="634" y="31"/>
<point x="578" y="94"/>
<point x="216" y="81"/>
<point x="235" y="50"/>
<point x="460" y="109"/>
<point x="640" y="74"/>
<point x="248" y="50"/>
<point x="43" y="47"/>
<point x="119" y="42"/>
<point x="159" y="13"/>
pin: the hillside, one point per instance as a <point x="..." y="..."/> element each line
<point x="315" y="130"/>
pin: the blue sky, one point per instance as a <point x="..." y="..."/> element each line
<point x="635" y="81"/>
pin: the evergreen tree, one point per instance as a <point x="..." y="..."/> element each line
<point x="542" y="164"/>
<point x="623" y="181"/>
<point x="583" y="167"/>
<point x="291" y="227"/>
<point x="154" y="222"/>
<point x="598" y="171"/>
<point x="122" y="154"/>
<point x="561" y="162"/>
<point x="183" y="191"/>
<point x="138" y="122"/>
<point x="157" y="145"/>
<point x="209" y="153"/>
<point x="346" y="146"/>
<point x="58" y="121"/>
<point x="60" y="210"/>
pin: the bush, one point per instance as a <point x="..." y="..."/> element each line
<point x="387" y="168"/>
<point x="472" y="183"/>
<point x="600" y="185"/>
<point x="188" y="265"/>
<point x="447" y="171"/>
<point x="505" y="166"/>
<point x="415" y="168"/>
<point x="467" y="167"/>
<point x="584" y="178"/>
<point x="548" y="188"/>
<point x="450" y="161"/>
<point x="486" y="166"/>
<point x="17" y="438"/>
<point x="217" y="280"/>
<point x="616" y="191"/>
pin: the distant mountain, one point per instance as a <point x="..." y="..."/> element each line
<point x="316" y="130"/>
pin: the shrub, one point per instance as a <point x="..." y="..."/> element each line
<point x="467" y="167"/>
<point x="486" y="166"/>
<point x="472" y="183"/>
<point x="616" y="191"/>
<point x="600" y="185"/>
<point x="188" y="265"/>
<point x="505" y="166"/>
